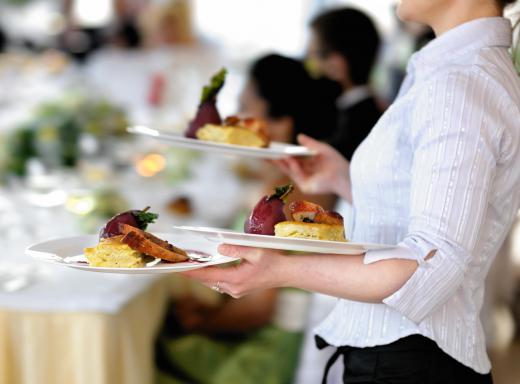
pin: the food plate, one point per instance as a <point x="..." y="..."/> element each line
<point x="69" y="252"/>
<point x="275" y="150"/>
<point x="283" y="243"/>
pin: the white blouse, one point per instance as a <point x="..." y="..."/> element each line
<point x="439" y="171"/>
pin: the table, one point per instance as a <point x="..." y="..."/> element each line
<point x="59" y="325"/>
<point x="75" y="327"/>
<point x="83" y="347"/>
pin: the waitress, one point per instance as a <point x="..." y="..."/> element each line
<point x="439" y="175"/>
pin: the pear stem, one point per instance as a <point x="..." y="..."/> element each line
<point x="282" y="192"/>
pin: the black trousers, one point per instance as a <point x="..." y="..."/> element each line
<point x="413" y="359"/>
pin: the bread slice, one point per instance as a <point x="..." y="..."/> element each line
<point x="313" y="231"/>
<point x="151" y="245"/>
<point x="231" y="135"/>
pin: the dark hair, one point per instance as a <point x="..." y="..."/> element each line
<point x="288" y="90"/>
<point x="352" y="34"/>
<point x="128" y="32"/>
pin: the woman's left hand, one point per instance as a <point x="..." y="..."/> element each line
<point x="259" y="269"/>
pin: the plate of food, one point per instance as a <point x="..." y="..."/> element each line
<point x="232" y="135"/>
<point x="124" y="246"/>
<point x="274" y="150"/>
<point x="309" y="228"/>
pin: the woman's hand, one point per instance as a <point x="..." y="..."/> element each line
<point x="326" y="172"/>
<point x="259" y="269"/>
<point x="335" y="275"/>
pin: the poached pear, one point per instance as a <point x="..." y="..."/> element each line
<point x="268" y="212"/>
<point x="207" y="112"/>
<point x="135" y="218"/>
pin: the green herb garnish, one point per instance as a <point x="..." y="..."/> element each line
<point x="282" y="192"/>
<point x="211" y="90"/>
<point x="144" y="218"/>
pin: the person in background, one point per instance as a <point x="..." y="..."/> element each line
<point x="237" y="334"/>
<point x="343" y="47"/>
<point x="280" y="91"/>
<point x="209" y="339"/>
<point x="3" y="41"/>
<point x="126" y="34"/>
<point x="337" y="52"/>
<point x="169" y="23"/>
<point x="78" y="41"/>
<point x="438" y="177"/>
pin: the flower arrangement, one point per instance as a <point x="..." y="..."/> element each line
<point x="53" y="133"/>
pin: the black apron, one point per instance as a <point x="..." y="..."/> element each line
<point x="414" y="359"/>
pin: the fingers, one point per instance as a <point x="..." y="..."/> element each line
<point x="246" y="253"/>
<point x="228" y="280"/>
<point x="211" y="275"/>
<point x="320" y="147"/>
<point x="296" y="171"/>
<point x="293" y="168"/>
<point x="253" y="273"/>
<point x="300" y="169"/>
<point x="311" y="143"/>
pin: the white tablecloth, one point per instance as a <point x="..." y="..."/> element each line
<point x="216" y="196"/>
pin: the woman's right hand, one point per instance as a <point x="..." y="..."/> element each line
<point x="325" y="172"/>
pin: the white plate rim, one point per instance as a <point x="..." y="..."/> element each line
<point x="275" y="151"/>
<point x="282" y="243"/>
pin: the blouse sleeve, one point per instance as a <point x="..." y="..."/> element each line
<point x="455" y="137"/>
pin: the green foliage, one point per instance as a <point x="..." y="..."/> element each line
<point x="53" y="133"/>
<point x="211" y="90"/>
<point x="17" y="2"/>
<point x="516" y="56"/>
<point x="267" y="356"/>
<point x="282" y="192"/>
<point x="19" y="149"/>
<point x="516" y="46"/>
<point x="144" y="218"/>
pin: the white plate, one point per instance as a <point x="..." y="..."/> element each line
<point x="69" y="252"/>
<point x="275" y="150"/>
<point x="283" y="243"/>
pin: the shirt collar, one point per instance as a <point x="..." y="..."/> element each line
<point x="353" y="96"/>
<point x="455" y="44"/>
